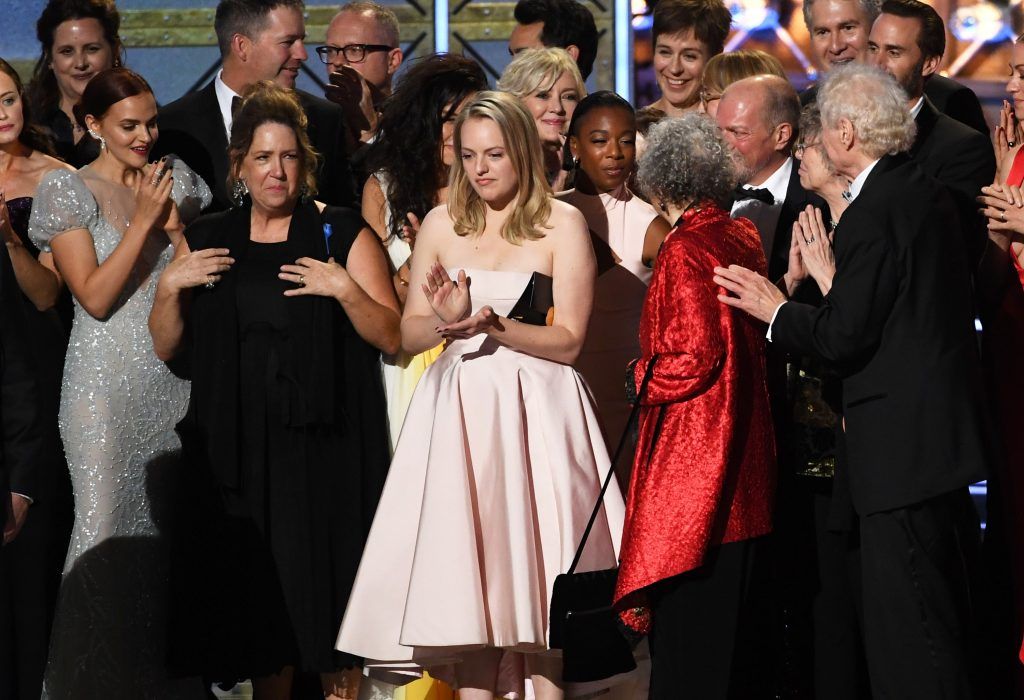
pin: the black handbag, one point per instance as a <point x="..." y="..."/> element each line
<point x="583" y="623"/>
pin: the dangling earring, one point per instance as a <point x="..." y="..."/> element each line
<point x="238" y="192"/>
<point x="103" y="141"/>
<point x="304" y="192"/>
<point x="575" y="163"/>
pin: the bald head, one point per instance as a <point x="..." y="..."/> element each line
<point x="771" y="97"/>
<point x="758" y="117"/>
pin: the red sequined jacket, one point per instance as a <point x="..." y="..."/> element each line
<point x="704" y="471"/>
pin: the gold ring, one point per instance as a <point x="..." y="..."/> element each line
<point x="302" y="280"/>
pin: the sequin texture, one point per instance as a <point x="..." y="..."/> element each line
<point x="119" y="406"/>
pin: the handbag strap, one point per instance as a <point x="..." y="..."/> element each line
<point x="615" y="459"/>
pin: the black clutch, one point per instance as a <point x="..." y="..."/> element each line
<point x="583" y="622"/>
<point x="536" y="303"/>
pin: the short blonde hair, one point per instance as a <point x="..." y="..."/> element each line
<point x="539" y="69"/>
<point x="532" y="207"/>
<point x="724" y="69"/>
<point x="874" y="103"/>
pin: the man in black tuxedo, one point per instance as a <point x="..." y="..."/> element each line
<point x="907" y="42"/>
<point x="898" y="324"/>
<point x="839" y="34"/>
<point x="259" y="40"/>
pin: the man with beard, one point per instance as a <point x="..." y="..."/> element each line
<point x="839" y="34"/>
<point x="907" y="42"/>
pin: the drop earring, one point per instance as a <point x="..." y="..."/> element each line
<point x="103" y="141"/>
<point x="238" y="192"/>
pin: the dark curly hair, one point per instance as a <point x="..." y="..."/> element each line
<point x="407" y="147"/>
<point x="42" y="89"/>
<point x="32" y="135"/>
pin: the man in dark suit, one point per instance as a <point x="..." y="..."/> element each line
<point x="907" y="42"/>
<point x="259" y="40"/>
<point x="839" y="34"/>
<point x="898" y="324"/>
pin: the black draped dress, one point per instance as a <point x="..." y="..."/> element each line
<point x="286" y="440"/>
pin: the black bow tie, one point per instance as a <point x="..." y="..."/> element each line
<point x="761" y="194"/>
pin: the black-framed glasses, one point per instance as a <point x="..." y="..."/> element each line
<point x="802" y="146"/>
<point x="354" y="53"/>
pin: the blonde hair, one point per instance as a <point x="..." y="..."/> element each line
<point x="266" y="102"/>
<point x="724" y="69"/>
<point x="532" y="207"/>
<point x="539" y="69"/>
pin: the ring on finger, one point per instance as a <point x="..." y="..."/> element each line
<point x="302" y="280"/>
<point x="209" y="282"/>
<point x="1011" y="144"/>
<point x="811" y="239"/>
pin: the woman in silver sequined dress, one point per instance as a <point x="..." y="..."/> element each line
<point x="111" y="228"/>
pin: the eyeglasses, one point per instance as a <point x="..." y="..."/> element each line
<point x="802" y="146"/>
<point x="354" y="53"/>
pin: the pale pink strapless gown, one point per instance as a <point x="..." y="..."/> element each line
<point x="493" y="480"/>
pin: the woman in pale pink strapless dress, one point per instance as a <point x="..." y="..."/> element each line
<point x="501" y="456"/>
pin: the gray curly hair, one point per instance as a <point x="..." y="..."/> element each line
<point x="874" y="103"/>
<point x="686" y="161"/>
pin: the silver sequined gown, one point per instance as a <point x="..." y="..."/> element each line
<point x="119" y="405"/>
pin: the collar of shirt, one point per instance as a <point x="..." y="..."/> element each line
<point x="916" y="109"/>
<point x="224" y="96"/>
<point x="778" y="182"/>
<point x="858" y="182"/>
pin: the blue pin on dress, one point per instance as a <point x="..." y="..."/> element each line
<point x="328" y="232"/>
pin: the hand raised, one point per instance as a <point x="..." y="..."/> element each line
<point x="152" y="194"/>
<point x="449" y="299"/>
<point x="816" y="247"/>
<point x="316" y="277"/>
<point x="200" y="267"/>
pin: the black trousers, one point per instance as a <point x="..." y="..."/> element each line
<point x="916" y="568"/>
<point x="706" y="624"/>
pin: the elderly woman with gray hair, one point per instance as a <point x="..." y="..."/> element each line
<point x="703" y="477"/>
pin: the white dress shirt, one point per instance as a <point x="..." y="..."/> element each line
<point x="224" y="97"/>
<point x="766" y="216"/>
<point x="855" y="187"/>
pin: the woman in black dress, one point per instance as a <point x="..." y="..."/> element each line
<point x="78" y="38"/>
<point x="28" y="597"/>
<point x="287" y="304"/>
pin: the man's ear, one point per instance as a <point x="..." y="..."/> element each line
<point x="395" y="57"/>
<point x="573" y="51"/>
<point x="931" y="65"/>
<point x="240" y="46"/>
<point x="783" y="136"/>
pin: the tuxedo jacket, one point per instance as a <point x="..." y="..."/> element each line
<point x="898" y="325"/>
<point x="957" y="101"/>
<point x="191" y="127"/>
<point x="21" y="447"/>
<point x="949" y="97"/>
<point x="960" y="158"/>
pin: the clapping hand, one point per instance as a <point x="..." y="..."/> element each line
<point x="6" y="230"/>
<point x="815" y="243"/>
<point x="153" y="195"/>
<point x="472" y="325"/>
<point x="1007" y="135"/>
<point x="410" y="227"/>
<point x="450" y="300"/>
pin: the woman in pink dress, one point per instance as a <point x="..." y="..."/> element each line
<point x="500" y="459"/>
<point x="626" y="233"/>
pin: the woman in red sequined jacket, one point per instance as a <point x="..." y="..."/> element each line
<point x="704" y="473"/>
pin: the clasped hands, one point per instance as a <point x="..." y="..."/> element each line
<point x="451" y="301"/>
<point x="810" y="252"/>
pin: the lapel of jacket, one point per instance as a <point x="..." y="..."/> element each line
<point x="209" y="129"/>
<point x="926" y="120"/>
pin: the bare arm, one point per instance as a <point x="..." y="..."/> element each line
<point x="362" y="287"/>
<point x="97" y="285"/>
<point x="40" y="284"/>
<point x="170" y="305"/>
<point x="657" y="230"/>
<point x="573" y="270"/>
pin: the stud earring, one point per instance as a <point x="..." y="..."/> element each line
<point x="238" y="192"/>
<point x="103" y="141"/>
